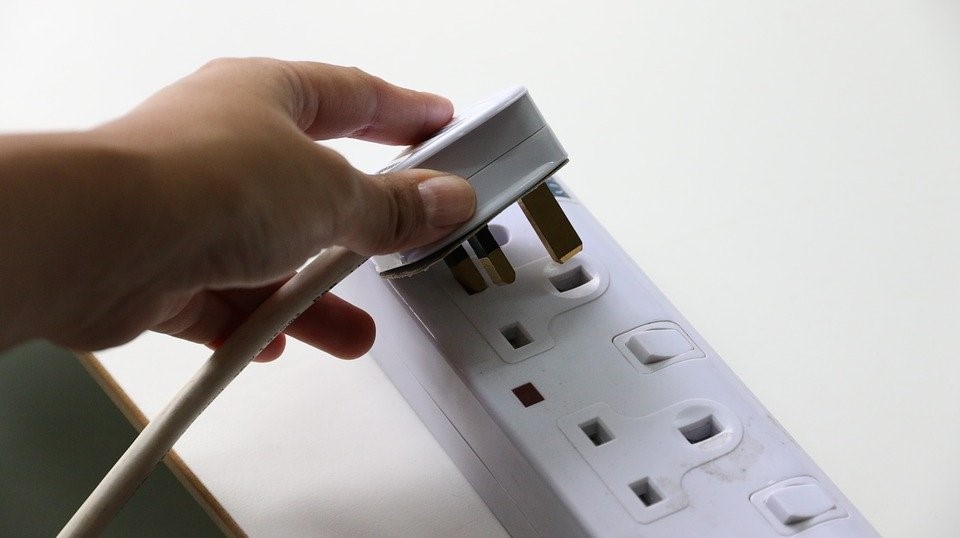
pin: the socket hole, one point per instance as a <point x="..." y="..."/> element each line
<point x="701" y="430"/>
<point x="597" y="433"/>
<point x="516" y="335"/>
<point x="645" y="491"/>
<point x="571" y="279"/>
<point x="500" y="233"/>
<point x="528" y="394"/>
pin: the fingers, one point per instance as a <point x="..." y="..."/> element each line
<point x="388" y="212"/>
<point x="325" y="101"/>
<point x="347" y="102"/>
<point x="331" y="324"/>
<point x="207" y="319"/>
<point x="335" y="326"/>
<point x="401" y="210"/>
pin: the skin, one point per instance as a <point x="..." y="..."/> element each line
<point x="185" y="214"/>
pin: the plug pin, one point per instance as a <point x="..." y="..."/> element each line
<point x="547" y="218"/>
<point x="491" y="257"/>
<point x="465" y="271"/>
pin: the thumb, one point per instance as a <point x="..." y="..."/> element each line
<point x="401" y="210"/>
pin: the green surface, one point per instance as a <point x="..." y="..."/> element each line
<point x="59" y="434"/>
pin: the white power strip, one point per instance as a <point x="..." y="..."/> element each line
<point x="578" y="401"/>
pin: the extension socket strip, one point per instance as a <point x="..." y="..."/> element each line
<point x="578" y="401"/>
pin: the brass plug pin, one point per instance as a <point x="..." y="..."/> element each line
<point x="547" y="218"/>
<point x="491" y="257"/>
<point x="465" y="271"/>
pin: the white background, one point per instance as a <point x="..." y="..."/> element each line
<point x="786" y="171"/>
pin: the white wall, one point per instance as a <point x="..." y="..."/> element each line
<point x="786" y="171"/>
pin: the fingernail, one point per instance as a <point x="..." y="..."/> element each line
<point x="447" y="200"/>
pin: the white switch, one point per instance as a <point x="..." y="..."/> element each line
<point x="657" y="345"/>
<point x="795" y="504"/>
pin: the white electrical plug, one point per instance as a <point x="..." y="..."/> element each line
<point x="502" y="146"/>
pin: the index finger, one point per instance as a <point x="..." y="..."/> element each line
<point x="347" y="102"/>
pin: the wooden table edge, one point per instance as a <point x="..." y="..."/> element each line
<point x="177" y="466"/>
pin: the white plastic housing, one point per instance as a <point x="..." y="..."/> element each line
<point x="502" y="146"/>
<point x="635" y="427"/>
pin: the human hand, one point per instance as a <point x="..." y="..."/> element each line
<point x="207" y="196"/>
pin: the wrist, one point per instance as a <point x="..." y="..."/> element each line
<point x="83" y="212"/>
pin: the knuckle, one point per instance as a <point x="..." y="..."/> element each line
<point x="303" y="104"/>
<point x="360" y="74"/>
<point x="219" y="63"/>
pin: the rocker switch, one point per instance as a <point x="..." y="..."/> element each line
<point x="657" y="345"/>
<point x="799" y="503"/>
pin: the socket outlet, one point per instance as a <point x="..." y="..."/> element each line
<point x="688" y="434"/>
<point x="515" y="319"/>
<point x="579" y="402"/>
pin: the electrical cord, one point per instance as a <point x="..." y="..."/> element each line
<point x="270" y="319"/>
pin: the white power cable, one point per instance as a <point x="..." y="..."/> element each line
<point x="264" y="324"/>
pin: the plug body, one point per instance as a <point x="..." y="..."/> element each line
<point x="502" y="146"/>
<point x="578" y="401"/>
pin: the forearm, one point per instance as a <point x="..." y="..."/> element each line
<point x="76" y="214"/>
